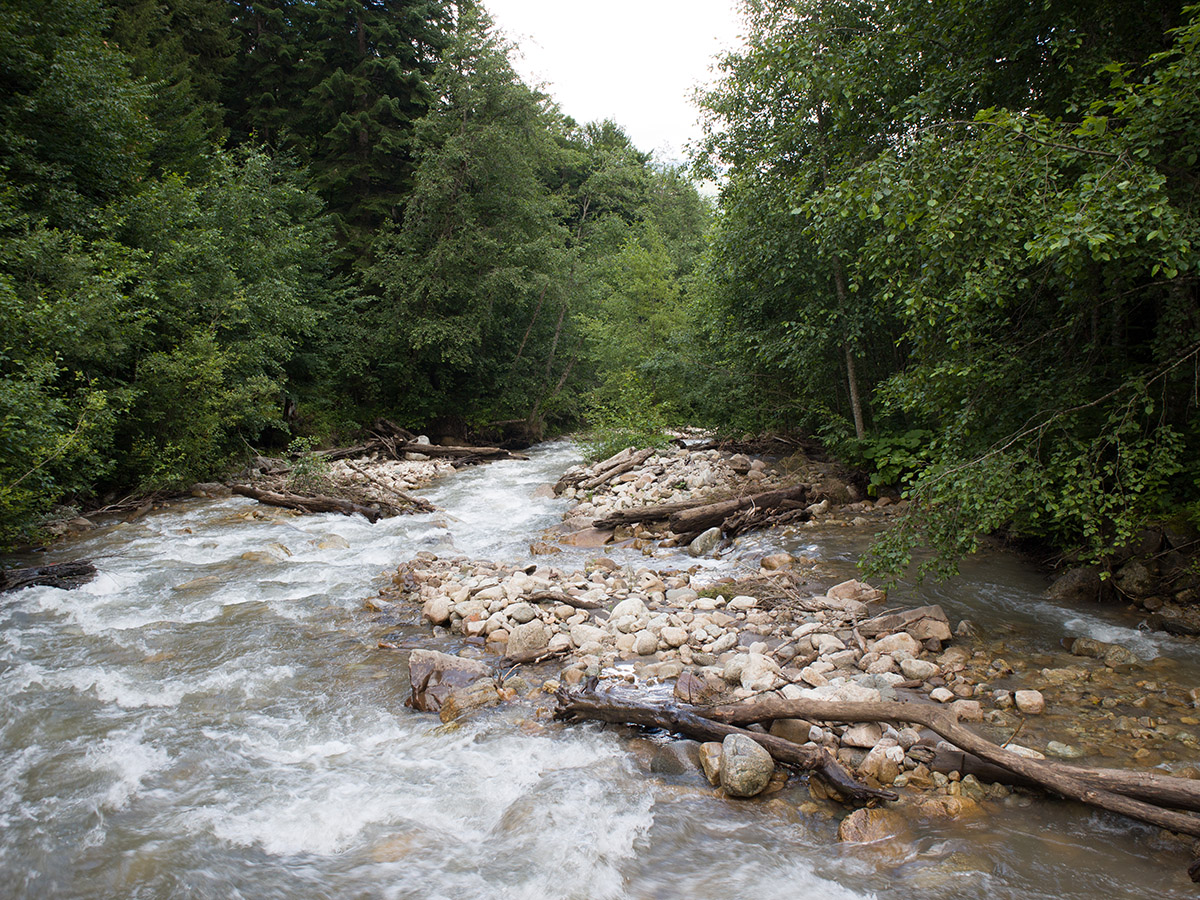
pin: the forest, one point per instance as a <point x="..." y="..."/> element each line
<point x="955" y="242"/>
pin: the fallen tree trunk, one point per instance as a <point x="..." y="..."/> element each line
<point x="701" y="518"/>
<point x="560" y="597"/>
<point x="317" y="503"/>
<point x="437" y="451"/>
<point x="415" y="502"/>
<point x="588" y="703"/>
<point x="573" y="478"/>
<point x="659" y="513"/>
<point x="66" y="576"/>
<point x="1068" y="781"/>
<point x="612" y="472"/>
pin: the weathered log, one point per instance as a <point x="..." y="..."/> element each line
<point x="1067" y="781"/>
<point x="659" y="513"/>
<point x="693" y="521"/>
<point x="612" y="472"/>
<point x="1152" y="787"/>
<point x="415" y="502"/>
<point x="61" y="575"/>
<point x="316" y="503"/>
<point x="764" y="517"/>
<point x="570" y="479"/>
<point x="588" y="703"/>
<point x="560" y="597"/>
<point x="439" y="452"/>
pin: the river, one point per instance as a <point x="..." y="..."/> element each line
<point x="212" y="717"/>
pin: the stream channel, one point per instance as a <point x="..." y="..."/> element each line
<point x="212" y="717"/>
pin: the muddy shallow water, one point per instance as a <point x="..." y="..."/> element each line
<point x="211" y="717"/>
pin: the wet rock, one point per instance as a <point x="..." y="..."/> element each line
<point x="1063" y="751"/>
<point x="588" y="538"/>
<point x="1080" y="585"/>
<point x="883" y="763"/>
<point x="528" y="642"/>
<point x="676" y="758"/>
<point x="1030" y="702"/>
<point x="463" y="700"/>
<point x="746" y="768"/>
<point x="777" y="561"/>
<point x="1111" y="654"/>
<point x="866" y="826"/>
<point x="435" y="676"/>
<point x="943" y="807"/>
<point x="706" y="542"/>
<point x="710" y="761"/>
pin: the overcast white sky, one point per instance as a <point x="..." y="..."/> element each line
<point x="633" y="61"/>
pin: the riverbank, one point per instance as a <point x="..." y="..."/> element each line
<point x="678" y="633"/>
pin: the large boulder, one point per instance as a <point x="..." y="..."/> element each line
<point x="746" y="768"/>
<point x="1081" y="585"/>
<point x="704" y="544"/>
<point x="435" y="676"/>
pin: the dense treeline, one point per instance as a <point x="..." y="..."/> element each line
<point x="960" y="239"/>
<point x="225" y="222"/>
<point x="956" y="239"/>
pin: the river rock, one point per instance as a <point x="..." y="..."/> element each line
<point x="740" y="463"/>
<point x="676" y="758"/>
<point x="919" y="669"/>
<point x="866" y="826"/>
<point x="863" y="734"/>
<point x="746" y="768"/>
<point x="435" y="676"/>
<point x="1081" y="585"/>
<point x="795" y="730"/>
<point x="854" y="590"/>
<point x="527" y="642"/>
<point x="777" y="561"/>
<point x="473" y="696"/>
<point x="645" y="643"/>
<point x="941" y="695"/>
<point x="899" y="642"/>
<point x="924" y="623"/>
<point x="710" y="761"/>
<point x="1134" y="579"/>
<point x="521" y="613"/>
<point x="630" y="606"/>
<point x="759" y="673"/>
<point x="967" y="710"/>
<point x="884" y="763"/>
<point x="673" y="637"/>
<point x="588" y="634"/>
<point x="1111" y="654"/>
<point x="704" y="544"/>
<point x="437" y="609"/>
<point x="1030" y="702"/>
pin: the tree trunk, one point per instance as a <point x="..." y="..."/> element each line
<point x="1067" y="781"/>
<point x="839" y="281"/>
<point x="588" y="703"/>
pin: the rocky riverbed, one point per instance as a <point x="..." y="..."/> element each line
<point x="678" y="632"/>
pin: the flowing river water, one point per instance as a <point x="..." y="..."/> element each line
<point x="212" y="717"/>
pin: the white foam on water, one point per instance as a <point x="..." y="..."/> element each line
<point x="127" y="760"/>
<point x="115" y="686"/>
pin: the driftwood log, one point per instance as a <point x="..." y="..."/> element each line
<point x="604" y="476"/>
<point x="659" y="513"/>
<point x="63" y="575"/>
<point x="570" y="479"/>
<point x="589" y="704"/>
<point x="316" y="503"/>
<point x="1134" y="794"/>
<point x="701" y="518"/>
